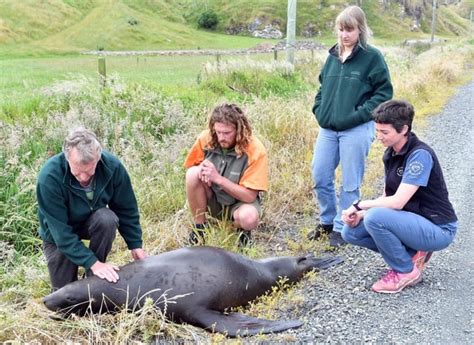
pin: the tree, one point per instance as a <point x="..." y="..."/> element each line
<point x="208" y="20"/>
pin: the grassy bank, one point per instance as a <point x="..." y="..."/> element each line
<point x="27" y="81"/>
<point x="72" y="26"/>
<point x="150" y="128"/>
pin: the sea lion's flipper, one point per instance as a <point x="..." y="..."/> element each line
<point x="326" y="262"/>
<point x="236" y="324"/>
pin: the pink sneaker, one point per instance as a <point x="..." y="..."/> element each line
<point x="421" y="258"/>
<point x="394" y="282"/>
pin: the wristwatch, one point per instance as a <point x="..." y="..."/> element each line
<point x="356" y="205"/>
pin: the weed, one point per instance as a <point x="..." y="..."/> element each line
<point x="151" y="129"/>
<point x="236" y="79"/>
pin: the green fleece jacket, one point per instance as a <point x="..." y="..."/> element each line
<point x="62" y="207"/>
<point x="350" y="91"/>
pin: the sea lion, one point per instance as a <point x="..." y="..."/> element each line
<point x="201" y="281"/>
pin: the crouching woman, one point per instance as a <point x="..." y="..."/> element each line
<point x="414" y="217"/>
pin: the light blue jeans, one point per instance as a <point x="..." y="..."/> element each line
<point x="398" y="235"/>
<point x="350" y="148"/>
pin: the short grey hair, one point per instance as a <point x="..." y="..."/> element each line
<point x="86" y="143"/>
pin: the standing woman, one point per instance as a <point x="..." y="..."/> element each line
<point x="354" y="81"/>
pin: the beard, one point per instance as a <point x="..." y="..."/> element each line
<point x="226" y="144"/>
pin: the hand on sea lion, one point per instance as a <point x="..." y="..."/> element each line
<point x="105" y="271"/>
<point x="139" y="254"/>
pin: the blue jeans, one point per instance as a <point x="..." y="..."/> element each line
<point x="398" y="235"/>
<point x="350" y="148"/>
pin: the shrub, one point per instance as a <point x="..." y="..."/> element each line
<point x="142" y="127"/>
<point x="208" y="20"/>
<point x="237" y="80"/>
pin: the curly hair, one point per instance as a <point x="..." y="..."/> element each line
<point x="231" y="114"/>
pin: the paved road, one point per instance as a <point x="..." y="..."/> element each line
<point x="451" y="134"/>
<point x="341" y="308"/>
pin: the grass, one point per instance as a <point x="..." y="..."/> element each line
<point x="61" y="27"/>
<point x="150" y="113"/>
<point x="24" y="82"/>
<point x="150" y="123"/>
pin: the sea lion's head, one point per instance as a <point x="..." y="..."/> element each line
<point x="74" y="298"/>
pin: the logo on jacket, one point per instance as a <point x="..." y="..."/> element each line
<point x="400" y="171"/>
<point x="415" y="168"/>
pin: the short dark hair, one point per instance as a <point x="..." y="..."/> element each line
<point x="397" y="113"/>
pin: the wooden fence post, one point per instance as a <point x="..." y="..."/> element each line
<point x="275" y="54"/>
<point x="218" y="61"/>
<point x="102" y="71"/>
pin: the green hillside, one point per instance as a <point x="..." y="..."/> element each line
<point x="64" y="26"/>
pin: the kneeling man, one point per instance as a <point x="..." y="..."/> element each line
<point x="227" y="168"/>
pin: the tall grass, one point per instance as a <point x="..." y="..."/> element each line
<point x="236" y="79"/>
<point x="151" y="131"/>
<point x="139" y="125"/>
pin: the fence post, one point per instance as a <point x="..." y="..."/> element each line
<point x="433" y="20"/>
<point x="218" y="61"/>
<point x="102" y="71"/>
<point x="291" y="32"/>
<point x="275" y="54"/>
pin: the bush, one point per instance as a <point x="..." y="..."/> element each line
<point x="238" y="80"/>
<point x="141" y="126"/>
<point x="208" y="20"/>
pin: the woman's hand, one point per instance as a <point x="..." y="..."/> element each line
<point x="352" y="217"/>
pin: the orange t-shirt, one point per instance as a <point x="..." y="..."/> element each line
<point x="255" y="174"/>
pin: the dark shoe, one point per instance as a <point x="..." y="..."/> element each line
<point x="245" y="238"/>
<point x="315" y="234"/>
<point x="196" y="237"/>
<point x="336" y="240"/>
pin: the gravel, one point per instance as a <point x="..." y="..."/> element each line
<point x="341" y="308"/>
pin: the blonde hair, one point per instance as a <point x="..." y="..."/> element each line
<point x="350" y="18"/>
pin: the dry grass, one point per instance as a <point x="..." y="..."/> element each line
<point x="154" y="159"/>
<point x="288" y="130"/>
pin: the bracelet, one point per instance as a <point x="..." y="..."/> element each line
<point x="356" y="205"/>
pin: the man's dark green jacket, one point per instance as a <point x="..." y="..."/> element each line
<point x="62" y="207"/>
<point x="352" y="89"/>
